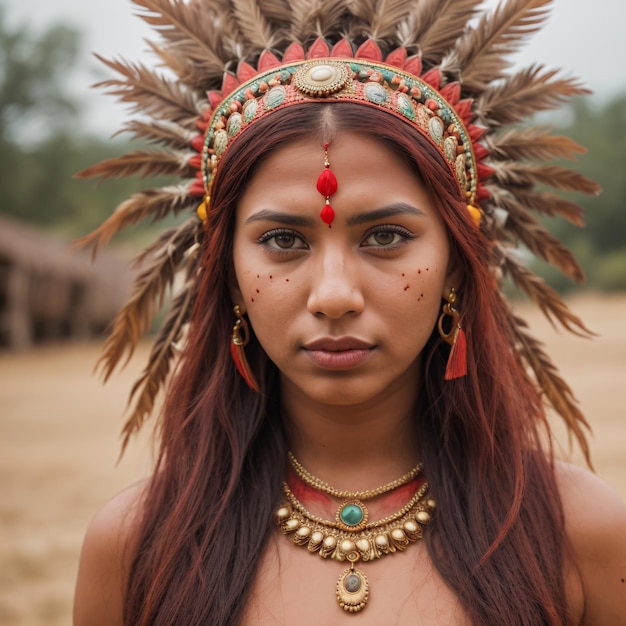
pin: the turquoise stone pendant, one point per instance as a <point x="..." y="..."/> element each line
<point x="352" y="516"/>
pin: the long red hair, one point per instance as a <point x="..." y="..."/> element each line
<point x="498" y="535"/>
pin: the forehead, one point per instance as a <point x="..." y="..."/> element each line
<point x="369" y="175"/>
<point x="350" y="156"/>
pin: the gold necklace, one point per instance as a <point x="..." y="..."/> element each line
<point x="352" y="514"/>
<point x="365" y="541"/>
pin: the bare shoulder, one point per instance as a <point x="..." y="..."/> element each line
<point x="105" y="559"/>
<point x="595" y="516"/>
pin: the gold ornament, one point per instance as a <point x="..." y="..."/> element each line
<point x="364" y="541"/>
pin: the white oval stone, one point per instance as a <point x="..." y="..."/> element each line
<point x="322" y="73"/>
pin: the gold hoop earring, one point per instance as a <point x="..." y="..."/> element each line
<point x="456" y="366"/>
<point x="239" y="339"/>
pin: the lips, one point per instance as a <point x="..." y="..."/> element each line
<point x="338" y="353"/>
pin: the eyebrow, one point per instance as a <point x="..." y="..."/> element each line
<point x="398" y="208"/>
<point x="289" y="219"/>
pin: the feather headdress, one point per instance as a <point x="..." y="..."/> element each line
<point x="215" y="49"/>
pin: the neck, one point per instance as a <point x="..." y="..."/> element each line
<point x="352" y="447"/>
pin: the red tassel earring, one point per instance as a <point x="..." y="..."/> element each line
<point x="457" y="361"/>
<point x="327" y="186"/>
<point x="239" y="340"/>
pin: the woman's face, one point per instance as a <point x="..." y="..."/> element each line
<point x="344" y="312"/>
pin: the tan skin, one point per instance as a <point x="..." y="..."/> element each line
<point x="376" y="279"/>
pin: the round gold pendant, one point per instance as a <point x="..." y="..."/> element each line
<point x="352" y="590"/>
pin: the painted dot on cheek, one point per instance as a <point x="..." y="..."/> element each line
<point x="258" y="291"/>
<point x="251" y="299"/>
<point x="406" y="287"/>
<point x="286" y="280"/>
<point x="419" y="271"/>
<point x="271" y="277"/>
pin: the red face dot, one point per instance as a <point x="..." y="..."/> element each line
<point x="286" y="280"/>
<point x="251" y="299"/>
<point x="406" y="287"/>
<point x="258" y="291"/>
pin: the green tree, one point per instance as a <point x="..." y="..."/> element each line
<point x="32" y="69"/>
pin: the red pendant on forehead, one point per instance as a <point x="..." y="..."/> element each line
<point x="327" y="214"/>
<point x="327" y="183"/>
<point x="327" y="186"/>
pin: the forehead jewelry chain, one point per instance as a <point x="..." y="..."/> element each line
<point x="364" y="541"/>
<point x="327" y="186"/>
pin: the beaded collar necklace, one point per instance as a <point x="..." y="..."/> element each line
<point x="352" y="537"/>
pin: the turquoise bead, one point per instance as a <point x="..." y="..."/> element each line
<point x="351" y="515"/>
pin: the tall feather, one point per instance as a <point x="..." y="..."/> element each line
<point x="512" y="173"/>
<point x="380" y="18"/>
<point x="480" y="54"/>
<point x="154" y="376"/>
<point x="433" y="26"/>
<point x="550" y="303"/>
<point x="277" y="11"/>
<point x="193" y="32"/>
<point x="159" y="132"/>
<point x="524" y="94"/>
<point x="317" y="18"/>
<point x="255" y="29"/>
<point x="538" y="240"/>
<point x="544" y="202"/>
<point x="555" y="390"/>
<point x="532" y="144"/>
<point x="135" y="318"/>
<point x="142" y="162"/>
<point x="154" y="203"/>
<point x="152" y="94"/>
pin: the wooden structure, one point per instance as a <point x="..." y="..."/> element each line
<point x="50" y="292"/>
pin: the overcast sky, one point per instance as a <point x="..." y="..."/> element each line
<point x="583" y="37"/>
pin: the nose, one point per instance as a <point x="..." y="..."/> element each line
<point x="335" y="289"/>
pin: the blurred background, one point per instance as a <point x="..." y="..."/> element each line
<point x="59" y="427"/>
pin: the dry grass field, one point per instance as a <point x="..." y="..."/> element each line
<point x="59" y="444"/>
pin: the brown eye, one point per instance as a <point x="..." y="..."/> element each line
<point x="384" y="238"/>
<point x="284" y="240"/>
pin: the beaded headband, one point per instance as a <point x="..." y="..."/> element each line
<point x="440" y="66"/>
<point x="385" y="86"/>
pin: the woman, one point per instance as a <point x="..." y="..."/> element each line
<point x="372" y="405"/>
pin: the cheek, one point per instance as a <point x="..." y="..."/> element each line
<point x="421" y="285"/>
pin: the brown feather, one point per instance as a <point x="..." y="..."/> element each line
<point x="481" y="53"/>
<point x="135" y="318"/>
<point x="152" y="94"/>
<point x="543" y="202"/>
<point x="317" y="18"/>
<point x="275" y="10"/>
<point x="539" y="240"/>
<point x="154" y="203"/>
<point x="189" y="29"/>
<point x="556" y="391"/>
<point x="524" y="94"/>
<point x="434" y="26"/>
<point x="549" y="302"/>
<point x="380" y="18"/>
<point x="251" y="22"/>
<point x="532" y="144"/>
<point x="142" y="162"/>
<point x="511" y="173"/>
<point x="163" y="352"/>
<point x="159" y="132"/>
